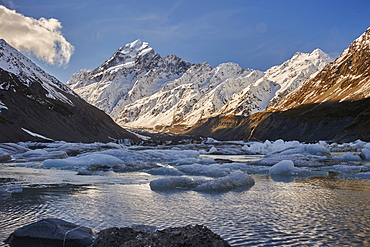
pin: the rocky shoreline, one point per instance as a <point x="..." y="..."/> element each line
<point x="54" y="232"/>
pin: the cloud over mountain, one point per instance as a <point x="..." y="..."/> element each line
<point x="42" y="37"/>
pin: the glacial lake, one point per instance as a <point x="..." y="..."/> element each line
<point x="315" y="211"/>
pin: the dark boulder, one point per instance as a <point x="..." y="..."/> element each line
<point x="197" y="235"/>
<point x="51" y="233"/>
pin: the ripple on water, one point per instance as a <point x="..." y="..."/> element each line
<point x="310" y="212"/>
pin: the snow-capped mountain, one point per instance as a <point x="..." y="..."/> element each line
<point x="292" y="73"/>
<point x="345" y="79"/>
<point x="16" y="63"/>
<point x="35" y="105"/>
<point x="199" y="93"/>
<point x="203" y="92"/>
<point x="139" y="89"/>
<point x="332" y="105"/>
<point x="133" y="72"/>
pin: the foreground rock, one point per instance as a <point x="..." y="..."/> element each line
<point x="59" y="233"/>
<point x="197" y="235"/>
<point x="51" y="233"/>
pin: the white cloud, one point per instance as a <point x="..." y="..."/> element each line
<point x="41" y="37"/>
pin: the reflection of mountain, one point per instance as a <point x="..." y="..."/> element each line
<point x="36" y="106"/>
<point x="333" y="105"/>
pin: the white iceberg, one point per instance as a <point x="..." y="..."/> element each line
<point x="365" y="154"/>
<point x="214" y="170"/>
<point x="174" y="183"/>
<point x="349" y="157"/>
<point x="83" y="161"/>
<point x="233" y="181"/>
<point x="287" y="168"/>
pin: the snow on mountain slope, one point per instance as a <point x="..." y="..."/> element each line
<point x="345" y="79"/>
<point x="254" y="98"/>
<point x="134" y="71"/>
<point x="16" y="63"/>
<point x="140" y="89"/>
<point x="293" y="72"/>
<point x="201" y="92"/>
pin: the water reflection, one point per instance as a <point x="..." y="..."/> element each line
<point x="309" y="212"/>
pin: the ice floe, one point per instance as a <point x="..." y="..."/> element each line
<point x="235" y="180"/>
<point x="209" y="164"/>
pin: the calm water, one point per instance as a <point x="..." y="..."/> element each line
<point x="319" y="211"/>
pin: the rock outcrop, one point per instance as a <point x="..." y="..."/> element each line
<point x="59" y="233"/>
<point x="51" y="232"/>
<point x="197" y="235"/>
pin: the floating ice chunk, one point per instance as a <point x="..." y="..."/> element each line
<point x="233" y="181"/>
<point x="346" y="169"/>
<point x="4" y="156"/>
<point x="174" y="183"/>
<point x="317" y="149"/>
<point x="13" y="148"/>
<point x="133" y="166"/>
<point x="41" y="154"/>
<point x="365" y="154"/>
<point x="165" y="171"/>
<point x="83" y="161"/>
<point x="348" y="157"/>
<point x="363" y="175"/>
<point x="212" y="150"/>
<point x="210" y="140"/>
<point x="268" y="147"/>
<point x="213" y="170"/>
<point x="287" y="168"/>
<point x="305" y="149"/>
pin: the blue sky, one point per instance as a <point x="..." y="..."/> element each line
<point x="255" y="34"/>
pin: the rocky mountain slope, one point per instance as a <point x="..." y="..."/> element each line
<point x="332" y="105"/>
<point x="36" y="106"/>
<point x="346" y="79"/>
<point x="139" y="89"/>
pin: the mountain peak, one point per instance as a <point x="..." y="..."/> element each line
<point x="345" y="79"/>
<point x="134" y="54"/>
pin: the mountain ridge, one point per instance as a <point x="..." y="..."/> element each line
<point x="333" y="105"/>
<point x="35" y="106"/>
<point x="197" y="91"/>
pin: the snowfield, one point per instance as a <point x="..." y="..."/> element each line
<point x="209" y="166"/>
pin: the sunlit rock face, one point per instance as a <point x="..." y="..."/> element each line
<point x="332" y="105"/>
<point x="345" y="79"/>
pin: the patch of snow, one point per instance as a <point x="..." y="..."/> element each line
<point x="36" y="135"/>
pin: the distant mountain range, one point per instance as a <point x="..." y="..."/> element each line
<point x="35" y="106"/>
<point x="310" y="97"/>
<point x="333" y="105"/>
<point x="140" y="89"/>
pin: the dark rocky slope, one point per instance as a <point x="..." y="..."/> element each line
<point x="33" y="102"/>
<point x="332" y="121"/>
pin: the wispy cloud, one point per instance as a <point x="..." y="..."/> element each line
<point x="42" y="37"/>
